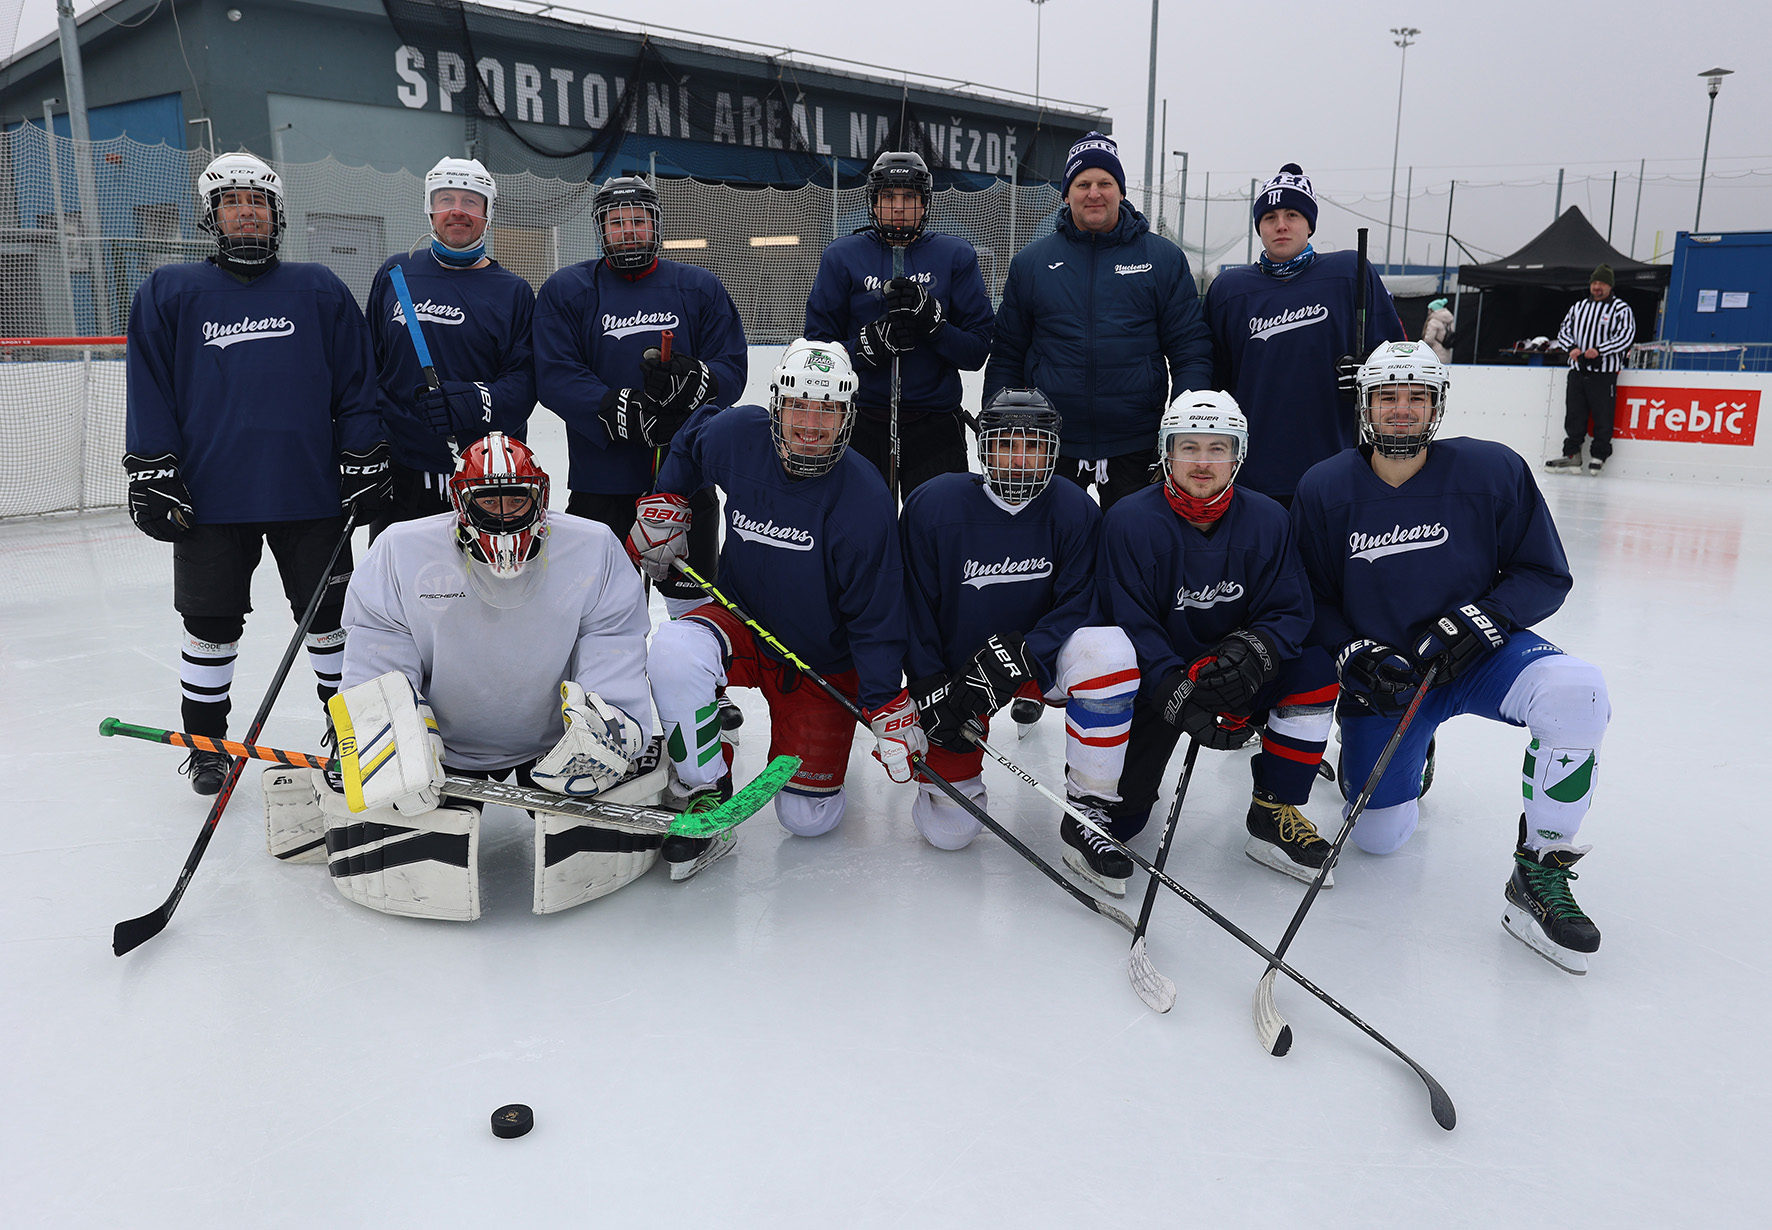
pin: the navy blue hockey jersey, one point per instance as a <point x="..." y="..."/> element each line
<point x="972" y="570"/>
<point x="591" y="327"/>
<point x="815" y="560"/>
<point x="476" y="323"/>
<point x="255" y="387"/>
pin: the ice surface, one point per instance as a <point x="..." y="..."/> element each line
<point x="861" y="1031"/>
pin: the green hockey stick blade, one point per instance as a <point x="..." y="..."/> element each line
<point x="741" y="806"/>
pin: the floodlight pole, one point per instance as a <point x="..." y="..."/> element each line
<point x="1715" y="77"/>
<point x="1405" y="37"/>
<point x="1150" y="114"/>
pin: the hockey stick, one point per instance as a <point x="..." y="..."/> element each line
<point x="940" y="782"/>
<point x="624" y="817"/>
<point x="397" y="276"/>
<point x="892" y="421"/>
<point x="1270" y="1026"/>
<point x="1153" y="988"/>
<point x="1363" y="272"/>
<point x="1439" y="1101"/>
<point x="133" y="932"/>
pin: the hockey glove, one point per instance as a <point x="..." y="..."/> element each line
<point x="457" y="407"/>
<point x="159" y="504"/>
<point x="1177" y="689"/>
<point x="999" y="670"/>
<point x="1229" y="679"/>
<point x="600" y="743"/>
<point x="898" y="735"/>
<point x="631" y="417"/>
<point x="365" y="482"/>
<point x="1457" y="641"/>
<point x="1347" y="377"/>
<point x="681" y="386"/>
<point x="908" y="302"/>
<point x="1376" y="675"/>
<point x="942" y="724"/>
<point x="1222" y="732"/>
<point x="881" y="342"/>
<point x="660" y="535"/>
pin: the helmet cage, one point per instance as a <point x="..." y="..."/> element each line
<point x="499" y="466"/>
<point x="1024" y="415"/>
<point x="241" y="173"/>
<point x="632" y="252"/>
<point x="900" y="170"/>
<point x="812" y="372"/>
<point x="1391" y="365"/>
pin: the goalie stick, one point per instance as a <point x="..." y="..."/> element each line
<point x="941" y="783"/>
<point x="623" y="817"/>
<point x="1439" y="1101"/>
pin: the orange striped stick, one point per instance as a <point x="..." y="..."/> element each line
<point x="227" y="747"/>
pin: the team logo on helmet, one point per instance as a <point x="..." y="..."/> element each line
<point x="820" y="360"/>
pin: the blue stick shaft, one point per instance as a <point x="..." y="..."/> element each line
<point x="398" y="276"/>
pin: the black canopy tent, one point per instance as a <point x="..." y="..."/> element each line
<point x="1528" y="293"/>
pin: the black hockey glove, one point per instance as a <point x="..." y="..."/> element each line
<point x="909" y="303"/>
<point x="943" y="724"/>
<point x="881" y="341"/>
<point x="159" y="504"/>
<point x="1240" y="664"/>
<point x="1457" y="641"/>
<point x="1222" y="732"/>
<point x="993" y="676"/>
<point x="634" y="418"/>
<point x="457" y="407"/>
<point x="681" y="386"/>
<point x="1376" y="675"/>
<point x="365" y="482"/>
<point x="1177" y="689"/>
<point x="1347" y="377"/>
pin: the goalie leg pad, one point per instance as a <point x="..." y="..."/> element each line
<point x="600" y="742"/>
<point x="415" y="867"/>
<point x="577" y="862"/>
<point x="295" y="826"/>
<point x="388" y="743"/>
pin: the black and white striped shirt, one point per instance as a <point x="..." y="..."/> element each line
<point x="1606" y="325"/>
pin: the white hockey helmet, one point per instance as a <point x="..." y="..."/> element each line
<point x="461" y="173"/>
<point x="817" y="377"/>
<point x="1402" y="363"/>
<point x="241" y="172"/>
<point x="1206" y="412"/>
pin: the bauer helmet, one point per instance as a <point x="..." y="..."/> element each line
<point x="817" y="379"/>
<point x="491" y="472"/>
<point x="1202" y="428"/>
<point x="895" y="170"/>
<point x="250" y="182"/>
<point x="1018" y="443"/>
<point x="1394" y="364"/>
<point x="451" y="177"/>
<point x="623" y="203"/>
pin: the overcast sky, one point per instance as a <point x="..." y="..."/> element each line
<point x="1502" y="92"/>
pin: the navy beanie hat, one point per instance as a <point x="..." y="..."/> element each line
<point x="1095" y="150"/>
<point x="1290" y="189"/>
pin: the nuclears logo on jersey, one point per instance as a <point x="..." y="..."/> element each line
<point x="1211" y="595"/>
<point x="1692" y="416"/>
<point x="639" y="322"/>
<point x="1264" y="327"/>
<point x="1397" y="541"/>
<point x="1006" y="571"/>
<point x="246" y="330"/>
<point x="922" y="279"/>
<point x="787" y="537"/>
<point x="431" y="313"/>
<point x="1123" y="270"/>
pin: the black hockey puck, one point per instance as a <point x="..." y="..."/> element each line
<point x="510" y="1122"/>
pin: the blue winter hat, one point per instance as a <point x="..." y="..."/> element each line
<point x="1290" y="189"/>
<point x="1095" y="150"/>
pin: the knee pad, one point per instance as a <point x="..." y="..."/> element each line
<point x="1383" y="830"/>
<point x="413" y="866"/>
<point x="1563" y="701"/>
<point x="942" y="822"/>
<point x="809" y="815"/>
<point x="685" y="653"/>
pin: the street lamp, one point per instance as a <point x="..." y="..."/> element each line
<point x="1715" y="77"/>
<point x="1039" y="13"/>
<point x="1405" y="36"/>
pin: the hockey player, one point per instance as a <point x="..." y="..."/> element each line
<point x="1000" y="589"/>
<point x="599" y="365"/>
<point x="251" y="420"/>
<point x="466" y="630"/>
<point x="928" y="323"/>
<point x="1285" y="339"/>
<point x="812" y="553"/>
<point x="1442" y="553"/>
<point x="475" y="315"/>
<point x="1205" y="578"/>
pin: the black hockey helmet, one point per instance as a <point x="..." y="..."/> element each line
<point x="898" y="169"/>
<point x="630" y="249"/>
<point x="1018" y="443"/>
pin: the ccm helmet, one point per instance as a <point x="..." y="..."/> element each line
<point x="817" y="378"/>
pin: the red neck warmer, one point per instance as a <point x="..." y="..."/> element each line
<point x="1192" y="508"/>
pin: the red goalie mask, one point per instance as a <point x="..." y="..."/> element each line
<point x="501" y="503"/>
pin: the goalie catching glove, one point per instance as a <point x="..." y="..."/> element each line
<point x="390" y="752"/>
<point x="599" y="744"/>
<point x="660" y="534"/>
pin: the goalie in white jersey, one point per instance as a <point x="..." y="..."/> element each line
<point x="470" y="627"/>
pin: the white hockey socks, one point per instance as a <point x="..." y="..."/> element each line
<point x="1565" y="703"/>
<point x="1098" y="679"/>
<point x="594" y="753"/>
<point x="205" y="675"/>
<point x="684" y="666"/>
<point x="388" y="746"/>
<point x="326" y="654"/>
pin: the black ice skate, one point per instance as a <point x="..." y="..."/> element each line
<point x="1089" y="855"/>
<point x="1281" y="838"/>
<point x="731" y="716"/>
<point x="687" y="855"/>
<point x="1541" y="912"/>
<point x="207" y="771"/>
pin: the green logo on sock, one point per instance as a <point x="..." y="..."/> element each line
<point x="1569" y="775"/>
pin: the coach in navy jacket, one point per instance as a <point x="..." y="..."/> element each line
<point x="1103" y="317"/>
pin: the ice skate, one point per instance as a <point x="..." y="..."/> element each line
<point x="1541" y="912"/>
<point x="207" y="771"/>
<point x="1091" y="856"/>
<point x="1281" y="838"/>
<point x="687" y="855"/>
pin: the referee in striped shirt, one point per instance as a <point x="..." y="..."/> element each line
<point x="1597" y="333"/>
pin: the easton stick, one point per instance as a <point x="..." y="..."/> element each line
<point x="1439" y="1101"/>
<point x="940" y="782"/>
<point x="1153" y="988"/>
<point x="1270" y="1026"/>
<point x="133" y="932"/>
<point x="623" y="817"/>
<point x="892" y="421"/>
